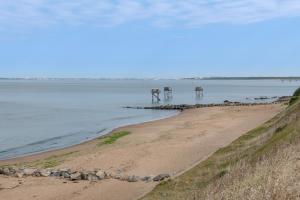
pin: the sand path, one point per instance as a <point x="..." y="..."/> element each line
<point x="165" y="146"/>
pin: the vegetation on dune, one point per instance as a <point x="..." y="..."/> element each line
<point x="295" y="97"/>
<point x="110" y="139"/>
<point x="262" y="164"/>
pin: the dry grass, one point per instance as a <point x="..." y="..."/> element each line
<point x="276" y="177"/>
<point x="262" y="164"/>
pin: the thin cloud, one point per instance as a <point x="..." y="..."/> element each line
<point x="28" y="13"/>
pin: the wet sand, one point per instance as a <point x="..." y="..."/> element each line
<point x="170" y="146"/>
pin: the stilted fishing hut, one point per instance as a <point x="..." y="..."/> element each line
<point x="199" y="91"/>
<point x="168" y="93"/>
<point x="155" y="95"/>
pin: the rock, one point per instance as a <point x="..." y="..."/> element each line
<point x="75" y="176"/>
<point x="101" y="174"/>
<point x="19" y="174"/>
<point x="147" y="178"/>
<point x="5" y="171"/>
<point x="55" y="173"/>
<point x="92" y="177"/>
<point x="28" y="171"/>
<point x="261" y="98"/>
<point x="84" y="175"/>
<point x="114" y="175"/>
<point x="65" y="174"/>
<point x="133" y="178"/>
<point x="161" y="177"/>
<point x="45" y="173"/>
<point x="37" y="173"/>
<point x="117" y="176"/>
<point x="63" y="171"/>
<point x="123" y="177"/>
<point x="12" y="170"/>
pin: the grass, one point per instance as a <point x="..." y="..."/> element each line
<point x="50" y="162"/>
<point x="261" y="160"/>
<point x="112" y="138"/>
<point x="295" y="97"/>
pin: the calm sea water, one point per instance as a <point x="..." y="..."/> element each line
<point x="41" y="115"/>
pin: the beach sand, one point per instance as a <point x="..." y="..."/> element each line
<point x="171" y="146"/>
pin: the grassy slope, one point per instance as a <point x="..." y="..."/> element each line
<point x="262" y="164"/>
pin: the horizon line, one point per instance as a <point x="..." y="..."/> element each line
<point x="154" y="78"/>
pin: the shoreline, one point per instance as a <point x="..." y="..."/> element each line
<point x="171" y="146"/>
<point x="178" y="108"/>
<point x="63" y="149"/>
<point x="68" y="149"/>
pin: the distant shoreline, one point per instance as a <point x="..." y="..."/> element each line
<point x="245" y="78"/>
<point x="288" y="78"/>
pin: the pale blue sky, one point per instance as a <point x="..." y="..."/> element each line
<point x="157" y="38"/>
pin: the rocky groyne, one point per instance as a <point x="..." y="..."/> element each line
<point x="71" y="175"/>
<point x="182" y="107"/>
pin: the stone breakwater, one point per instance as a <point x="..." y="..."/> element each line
<point x="70" y="175"/>
<point x="182" y="107"/>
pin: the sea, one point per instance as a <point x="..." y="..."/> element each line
<point x="42" y="115"/>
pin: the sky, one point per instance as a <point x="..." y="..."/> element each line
<point x="149" y="38"/>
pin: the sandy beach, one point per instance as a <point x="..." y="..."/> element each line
<point x="170" y="146"/>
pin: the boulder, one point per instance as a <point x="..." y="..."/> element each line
<point x="65" y="174"/>
<point x="45" y="173"/>
<point x="28" y="171"/>
<point x="133" y="178"/>
<point x="12" y="170"/>
<point x="101" y="174"/>
<point x="161" y="177"/>
<point x="84" y="175"/>
<point x="92" y="177"/>
<point x="55" y="173"/>
<point x="123" y="177"/>
<point x="37" y="173"/>
<point x="147" y="178"/>
<point x="5" y="171"/>
<point x="19" y="174"/>
<point x="75" y="176"/>
<point x="117" y="176"/>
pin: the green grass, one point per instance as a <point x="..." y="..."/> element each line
<point x="251" y="147"/>
<point x="295" y="97"/>
<point x="50" y="162"/>
<point x="112" y="138"/>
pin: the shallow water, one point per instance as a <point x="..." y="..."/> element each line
<point x="41" y="115"/>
